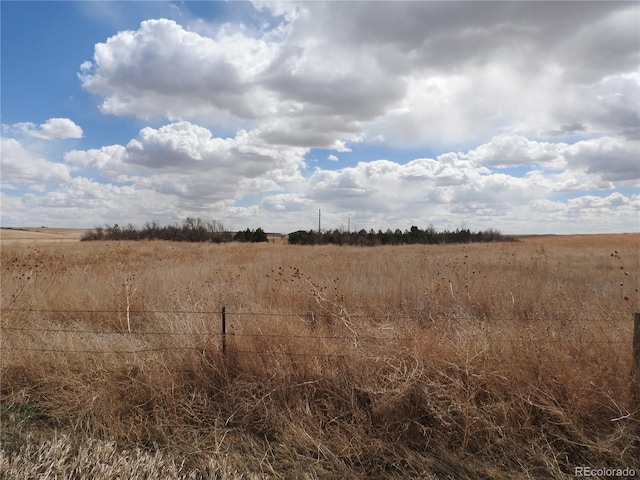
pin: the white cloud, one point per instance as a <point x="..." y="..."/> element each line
<point x="20" y="165"/>
<point x="508" y="150"/>
<point x="164" y="70"/>
<point x="183" y="146"/>
<point x="591" y="201"/>
<point x="285" y="203"/>
<point x="610" y="106"/>
<point x="186" y="160"/>
<point x="612" y="159"/>
<point x="448" y="191"/>
<point x="332" y="158"/>
<point x="422" y="185"/>
<point x="108" y="160"/>
<point x="603" y="159"/>
<point x="183" y="169"/>
<point x="417" y="71"/>
<point x="595" y="214"/>
<point x="85" y="203"/>
<point x="51" y="129"/>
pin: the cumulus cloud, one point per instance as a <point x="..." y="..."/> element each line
<point x="23" y="166"/>
<point x="323" y="75"/>
<point x="600" y="213"/>
<point x="107" y="160"/>
<point x="184" y="146"/>
<point x="164" y="70"/>
<point x="508" y="150"/>
<point x="611" y="158"/>
<point x="468" y="69"/>
<point x="606" y="159"/>
<point x="187" y="166"/>
<point x="188" y="161"/>
<point x="449" y="191"/>
<point x="51" y="129"/>
<point x="285" y="202"/>
<point x="86" y="203"/>
<point x="384" y="186"/>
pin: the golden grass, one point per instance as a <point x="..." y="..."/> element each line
<point x="30" y="235"/>
<point x="473" y="361"/>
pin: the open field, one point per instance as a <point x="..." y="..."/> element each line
<point x="506" y="361"/>
<point x="40" y="234"/>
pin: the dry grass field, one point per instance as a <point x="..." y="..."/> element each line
<point x="39" y="235"/>
<point x="500" y="360"/>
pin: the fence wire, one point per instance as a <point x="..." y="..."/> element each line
<point x="385" y="316"/>
<point x="204" y="344"/>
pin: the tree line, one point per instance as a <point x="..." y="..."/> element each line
<point x="414" y="235"/>
<point x="198" y="230"/>
<point x="191" y="230"/>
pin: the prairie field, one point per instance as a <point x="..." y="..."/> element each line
<point x="496" y="360"/>
<point x="40" y="235"/>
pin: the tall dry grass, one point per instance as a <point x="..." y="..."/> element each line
<point x="457" y="361"/>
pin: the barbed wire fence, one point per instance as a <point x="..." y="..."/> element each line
<point x="224" y="330"/>
<point x="229" y="332"/>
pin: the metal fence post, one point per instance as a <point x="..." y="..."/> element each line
<point x="635" y="380"/>
<point x="224" y="331"/>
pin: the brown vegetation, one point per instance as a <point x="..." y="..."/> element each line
<point x="508" y="360"/>
<point x="40" y="234"/>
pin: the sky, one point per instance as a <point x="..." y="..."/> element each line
<point x="517" y="116"/>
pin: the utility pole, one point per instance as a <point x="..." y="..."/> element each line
<point x="319" y="229"/>
<point x="349" y="225"/>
